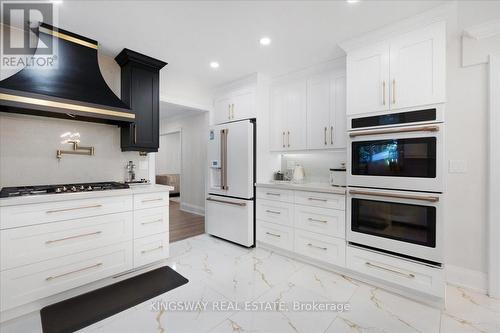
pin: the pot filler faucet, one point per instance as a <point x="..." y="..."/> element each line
<point x="77" y="150"/>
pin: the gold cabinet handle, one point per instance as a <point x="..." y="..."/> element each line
<point x="317" y="199"/>
<point x="317" y="247"/>
<point x="73" y="237"/>
<point x="70" y="209"/>
<point x="232" y="111"/>
<point x="289" y="139"/>
<point x="397" y="196"/>
<point x="241" y="204"/>
<point x="151" y="222"/>
<point x="229" y="111"/>
<point x="331" y="135"/>
<point x="394" y="91"/>
<point x="396" y="130"/>
<point x="383" y="92"/>
<point x="50" y="278"/>
<point x="151" y="200"/>
<point x="273" y="212"/>
<point x="326" y="129"/>
<point x="283" y="139"/>
<point x="407" y="275"/>
<point x="271" y="234"/>
<point x="315" y="220"/>
<point x="151" y="250"/>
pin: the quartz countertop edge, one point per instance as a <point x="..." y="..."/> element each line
<point x="311" y="187"/>
<point x="42" y="198"/>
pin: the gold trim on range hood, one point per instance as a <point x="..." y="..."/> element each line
<point x="72" y="39"/>
<point x="65" y="106"/>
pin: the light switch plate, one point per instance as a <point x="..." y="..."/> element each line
<point x="457" y="166"/>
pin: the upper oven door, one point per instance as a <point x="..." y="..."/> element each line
<point x="408" y="223"/>
<point x="401" y="158"/>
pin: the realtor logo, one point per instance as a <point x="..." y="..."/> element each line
<point x="20" y="21"/>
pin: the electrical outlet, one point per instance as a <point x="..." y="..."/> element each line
<point x="457" y="166"/>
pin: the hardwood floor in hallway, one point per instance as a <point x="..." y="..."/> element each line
<point x="184" y="225"/>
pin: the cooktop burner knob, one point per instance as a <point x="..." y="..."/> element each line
<point x="89" y="188"/>
<point x="58" y="190"/>
<point x="73" y="188"/>
<point x="64" y="188"/>
<point x="82" y="188"/>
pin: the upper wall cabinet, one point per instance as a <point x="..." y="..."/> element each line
<point x="235" y="105"/>
<point x="404" y="72"/>
<point x="326" y="117"/>
<point x="288" y="116"/>
<point x="140" y="89"/>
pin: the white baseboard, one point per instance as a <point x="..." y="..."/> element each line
<point x="467" y="278"/>
<point x="193" y="209"/>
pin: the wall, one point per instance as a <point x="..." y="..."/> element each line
<point x="168" y="158"/>
<point x="28" y="147"/>
<point x="194" y="131"/>
<point x="466" y="140"/>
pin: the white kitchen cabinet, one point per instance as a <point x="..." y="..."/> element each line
<point x="326" y="112"/>
<point x="406" y="71"/>
<point x="418" y="67"/>
<point x="288" y="116"/>
<point x="235" y="105"/>
<point x="368" y="79"/>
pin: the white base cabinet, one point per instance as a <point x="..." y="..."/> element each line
<point x="48" y="249"/>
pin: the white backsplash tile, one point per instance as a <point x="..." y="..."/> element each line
<point x="28" y="146"/>
<point x="316" y="164"/>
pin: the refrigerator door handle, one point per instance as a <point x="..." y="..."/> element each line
<point x="223" y="141"/>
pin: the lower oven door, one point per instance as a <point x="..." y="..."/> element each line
<point x="404" y="158"/>
<point x="405" y="223"/>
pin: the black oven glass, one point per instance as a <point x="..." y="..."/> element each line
<point x="404" y="222"/>
<point x="415" y="157"/>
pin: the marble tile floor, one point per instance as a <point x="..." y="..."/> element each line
<point x="224" y="276"/>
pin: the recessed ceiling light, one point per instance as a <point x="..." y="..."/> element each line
<point x="265" y="41"/>
<point x="214" y="64"/>
<point x="352" y="1"/>
<point x="57" y="2"/>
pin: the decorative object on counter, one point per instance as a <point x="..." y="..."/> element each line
<point x="338" y="176"/>
<point x="130" y="175"/>
<point x="299" y="174"/>
<point x="77" y="150"/>
<point x="278" y="175"/>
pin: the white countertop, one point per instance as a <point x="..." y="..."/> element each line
<point x="33" y="199"/>
<point x="312" y="187"/>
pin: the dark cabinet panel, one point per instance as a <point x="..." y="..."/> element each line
<point x="140" y="89"/>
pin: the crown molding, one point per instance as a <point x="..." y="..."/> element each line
<point x="483" y="30"/>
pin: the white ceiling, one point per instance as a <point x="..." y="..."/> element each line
<point x="170" y="110"/>
<point x="190" y="34"/>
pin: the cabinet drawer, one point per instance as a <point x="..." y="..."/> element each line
<point x="274" y="194"/>
<point x="150" y="221"/>
<point x="275" y="235"/>
<point x="27" y="245"/>
<point x="23" y="215"/>
<point x="275" y="211"/>
<point x="330" y="222"/>
<point x="324" y="248"/>
<point x="32" y="282"/>
<point x="325" y="200"/>
<point x="150" y="249"/>
<point x="398" y="271"/>
<point x="150" y="200"/>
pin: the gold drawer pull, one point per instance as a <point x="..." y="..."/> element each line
<point x="273" y="212"/>
<point x="151" y="222"/>
<point x="50" y="278"/>
<point x="70" y="209"/>
<point x="276" y="194"/>
<point x="73" y="237"/>
<point x="151" y="250"/>
<point x="317" y="199"/>
<point x="151" y="200"/>
<point x="317" y="247"/>
<point x="315" y="220"/>
<point x="407" y="275"/>
<point x="271" y="234"/>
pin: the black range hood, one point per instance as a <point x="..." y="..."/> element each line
<point x="74" y="89"/>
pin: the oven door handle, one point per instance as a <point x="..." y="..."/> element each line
<point x="398" y="196"/>
<point x="396" y="130"/>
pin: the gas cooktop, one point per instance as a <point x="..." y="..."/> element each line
<point x="53" y="189"/>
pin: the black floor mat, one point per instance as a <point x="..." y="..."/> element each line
<point x="83" y="310"/>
